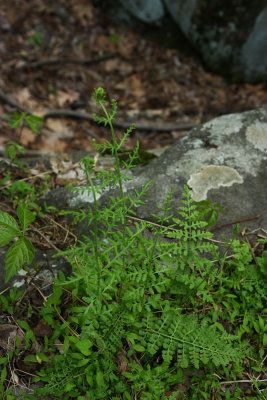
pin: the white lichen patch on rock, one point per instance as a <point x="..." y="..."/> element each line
<point x="212" y="177"/>
<point x="257" y="135"/>
<point x="192" y="161"/>
<point x="20" y="282"/>
<point x="83" y="197"/>
<point x="224" y="126"/>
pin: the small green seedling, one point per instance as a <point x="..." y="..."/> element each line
<point x="208" y="211"/>
<point x="20" y="190"/>
<point x="12" y="149"/>
<point x="114" y="38"/>
<point x="22" y="250"/>
<point x="36" y="38"/>
<point x="17" y="120"/>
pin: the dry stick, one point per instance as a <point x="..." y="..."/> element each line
<point x="120" y="124"/>
<point x="45" y="238"/>
<point x="85" y="61"/>
<point x="68" y="232"/>
<point x="238" y="221"/>
<point x="169" y="228"/>
<point x="242" y="381"/>
<point x="63" y="320"/>
<point x="7" y="99"/>
<point x="26" y="179"/>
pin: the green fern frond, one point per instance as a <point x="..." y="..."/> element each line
<point x="192" y="343"/>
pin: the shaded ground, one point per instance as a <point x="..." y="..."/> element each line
<point x="47" y="51"/>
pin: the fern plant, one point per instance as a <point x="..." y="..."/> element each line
<point x="135" y="321"/>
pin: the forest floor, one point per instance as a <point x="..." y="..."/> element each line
<point x="54" y="55"/>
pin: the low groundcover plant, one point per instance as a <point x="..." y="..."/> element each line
<point x="147" y="312"/>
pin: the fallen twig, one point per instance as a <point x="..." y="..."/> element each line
<point x="7" y="99"/>
<point x="238" y="221"/>
<point x="85" y="61"/>
<point x="120" y="124"/>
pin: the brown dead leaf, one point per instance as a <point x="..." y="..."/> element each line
<point x="122" y="363"/>
<point x="111" y="65"/>
<point x="54" y="146"/>
<point x="133" y="85"/>
<point x="8" y="335"/>
<point x="25" y="98"/>
<point x="52" y="141"/>
<point x="64" y="99"/>
<point x="42" y="329"/>
<point x="83" y="11"/>
<point x="115" y="64"/>
<point x="105" y="44"/>
<point x="28" y="136"/>
<point x="59" y="128"/>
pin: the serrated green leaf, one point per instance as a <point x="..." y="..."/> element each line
<point x="69" y="387"/>
<point x="6" y="235"/>
<point x="8" y="221"/>
<point x="24" y="325"/>
<point x="212" y="218"/>
<point x="33" y="126"/>
<point x="16" y="115"/>
<point x="99" y="378"/>
<point x="3" y="374"/>
<point x="132" y="336"/>
<point x="10" y="151"/>
<point x="203" y="203"/>
<point x="203" y="213"/>
<point x="127" y="396"/>
<point x="42" y="357"/>
<point x="84" y="346"/>
<point x="26" y="217"/>
<point x="21" y="252"/>
<point x="138" y="347"/>
<point x="83" y="362"/>
<point x="236" y="229"/>
<point x="35" y="119"/>
<point x="30" y="359"/>
<point x="262" y="262"/>
<point x="89" y="378"/>
<point x="14" y="123"/>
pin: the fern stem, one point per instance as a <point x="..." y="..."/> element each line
<point x="95" y="243"/>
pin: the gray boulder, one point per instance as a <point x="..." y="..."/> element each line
<point x="230" y="37"/>
<point x="150" y="11"/>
